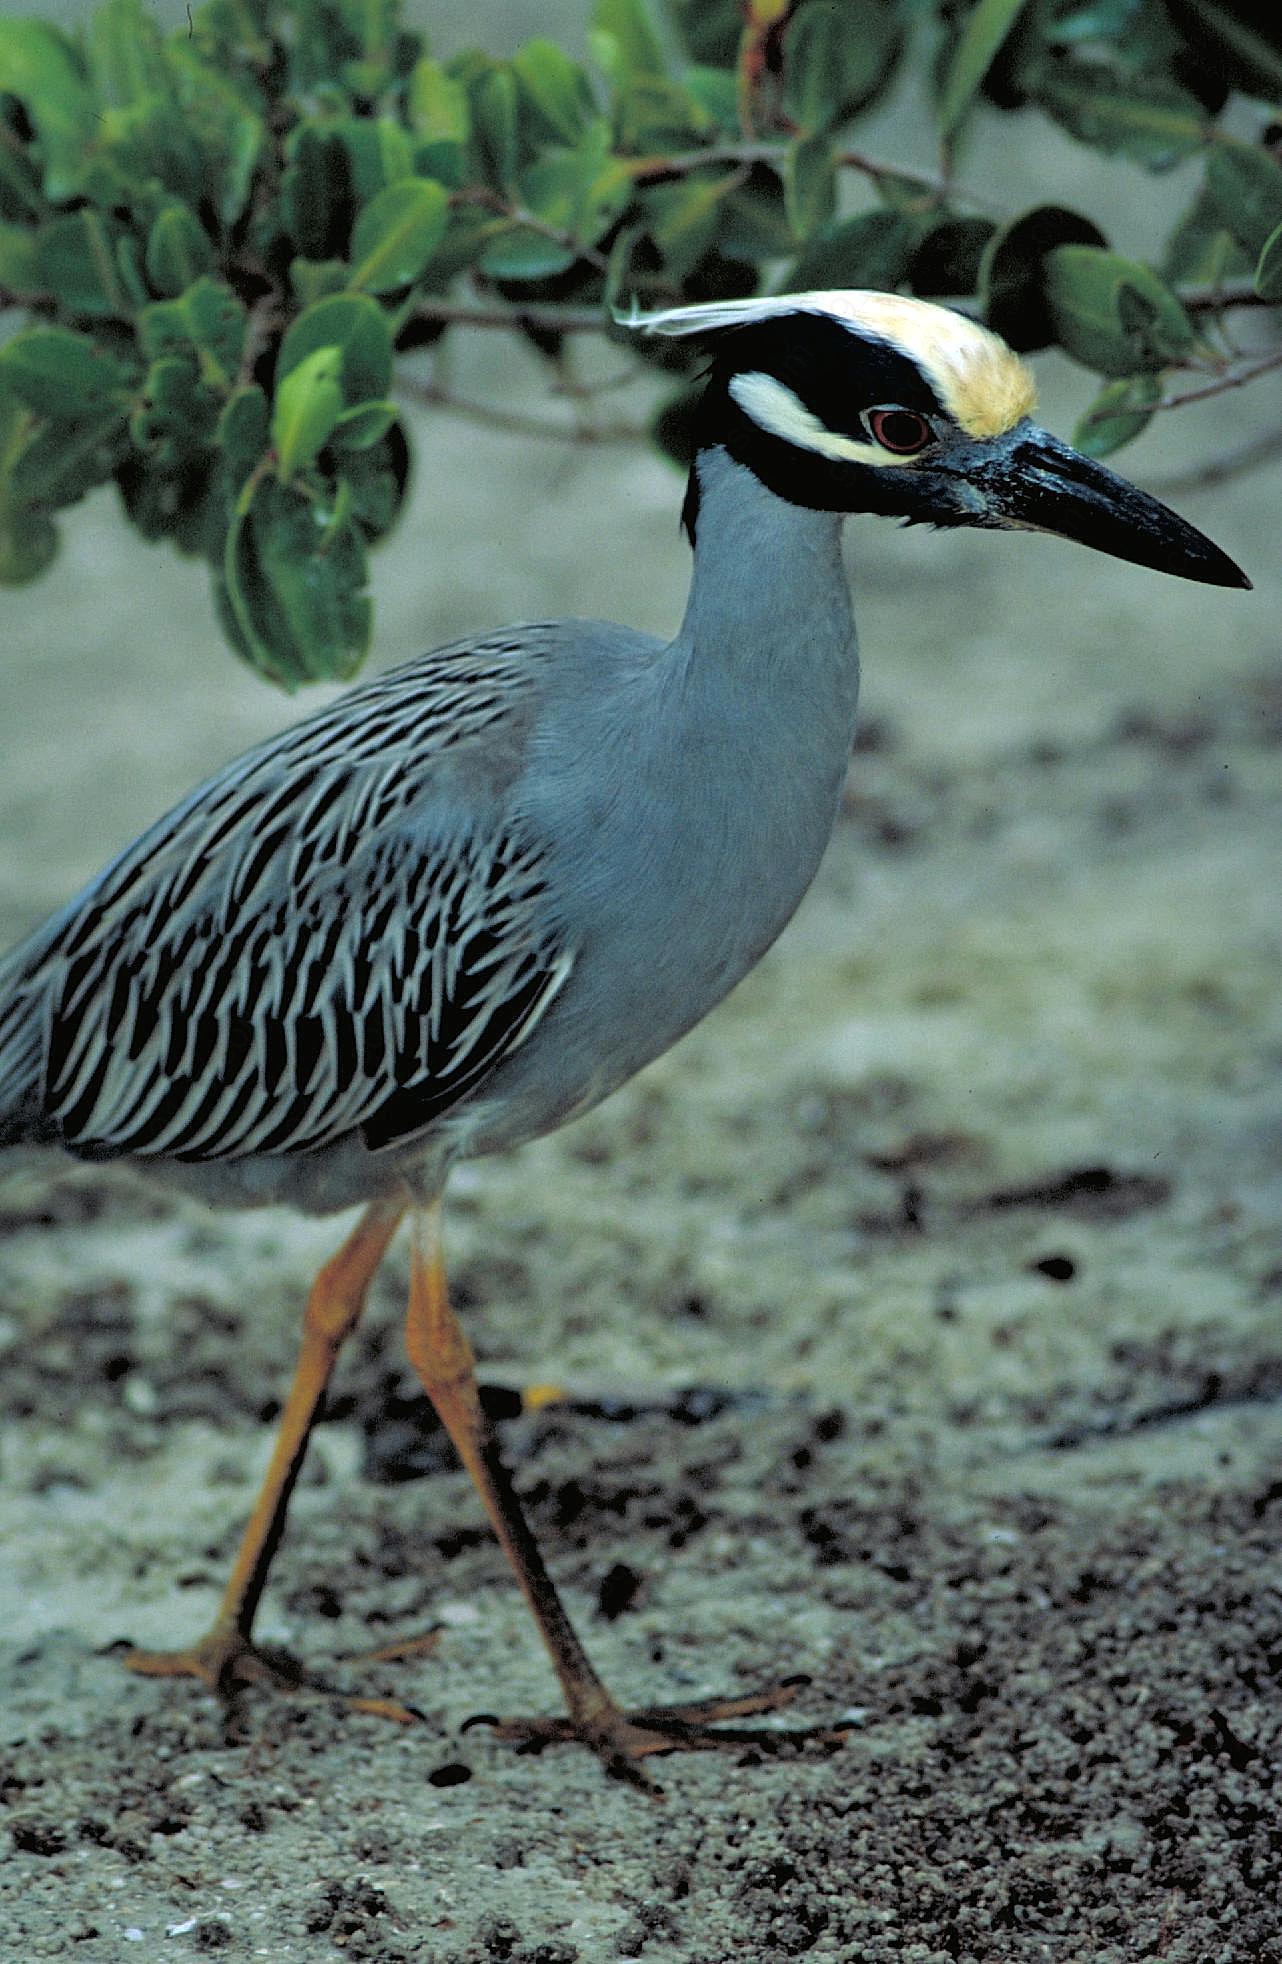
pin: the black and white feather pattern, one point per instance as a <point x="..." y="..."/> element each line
<point x="311" y="947"/>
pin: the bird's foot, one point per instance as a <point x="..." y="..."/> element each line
<point x="224" y="1660"/>
<point x="622" y="1740"/>
<point x="228" y="1663"/>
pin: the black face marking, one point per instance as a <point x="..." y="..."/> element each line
<point x="838" y="373"/>
<point x="836" y="370"/>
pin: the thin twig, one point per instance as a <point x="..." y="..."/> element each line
<point x="1235" y="378"/>
<point x="513" y="423"/>
<point x="1217" y="299"/>
<point x="680" y="163"/>
<point x="1250" y="456"/>
<point x="30" y="303"/>
<point x="581" y="391"/>
<point x="940" y="184"/>
<point x="546" y="320"/>
<point x="529" y="222"/>
<point x="265" y="317"/>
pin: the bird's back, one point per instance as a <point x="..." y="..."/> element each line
<point x="338" y="934"/>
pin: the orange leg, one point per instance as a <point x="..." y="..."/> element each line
<point x="226" y="1656"/>
<point x="442" y="1357"/>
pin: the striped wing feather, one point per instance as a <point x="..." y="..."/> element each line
<point x="297" y="954"/>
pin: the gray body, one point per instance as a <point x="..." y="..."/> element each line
<point x="534" y="861"/>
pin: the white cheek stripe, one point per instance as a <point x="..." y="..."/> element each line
<point x="776" y="409"/>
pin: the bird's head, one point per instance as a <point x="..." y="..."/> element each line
<point x="853" y="401"/>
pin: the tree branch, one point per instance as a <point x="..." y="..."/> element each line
<point x="1215" y="299"/>
<point x="1233" y="378"/>
<point x="680" y="163"/>
<point x="518" y="215"/>
<point x="513" y="423"/>
<point x="546" y="319"/>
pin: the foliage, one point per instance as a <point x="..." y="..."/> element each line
<point x="224" y="238"/>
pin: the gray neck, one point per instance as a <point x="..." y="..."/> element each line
<point x="769" y="594"/>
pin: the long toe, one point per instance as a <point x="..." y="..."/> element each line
<point x="224" y="1660"/>
<point x="228" y="1663"/>
<point x="622" y="1740"/>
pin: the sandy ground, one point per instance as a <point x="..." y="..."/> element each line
<point x="917" y="1319"/>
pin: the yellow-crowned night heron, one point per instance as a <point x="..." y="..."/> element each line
<point x="461" y="905"/>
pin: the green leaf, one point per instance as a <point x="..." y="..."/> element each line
<point x="652" y="113"/>
<point x="17" y="258"/>
<point x="127" y="55"/>
<point x="810" y="184"/>
<point x="1146" y="117"/>
<point x="496" y="128"/>
<point x="396" y="152"/>
<point x="243" y="432"/>
<point x="580" y="191"/>
<point x="364" y="426"/>
<point x="28" y="538"/>
<point x="293" y="582"/>
<point x="987" y="26"/>
<point x="754" y="225"/>
<point x="872" y="249"/>
<point x="313" y="279"/>
<point x="28" y="543"/>
<point x="710" y="30"/>
<point x="517" y="252"/>
<point x="58" y="373"/>
<point x="1234" y="39"/>
<point x="1114" y="314"/>
<point x="437" y="103"/>
<point x="375" y="26"/>
<point x="40" y="66"/>
<point x="21" y="198"/>
<point x="716" y="93"/>
<point x="379" y="153"/>
<point x="62" y="427"/>
<point x="357" y="325"/>
<point x="1201" y="251"/>
<point x="1117" y="416"/>
<point x="1268" y="273"/>
<point x="1012" y="271"/>
<point x="129" y="267"/>
<point x="309" y="402"/>
<point x="62" y="460"/>
<point x="396" y="234"/>
<point x="207" y="323"/>
<point x="75" y="261"/>
<point x="153" y="145"/>
<point x="684" y="217"/>
<point x="176" y="414"/>
<point x="169" y="118"/>
<point x="374" y="480"/>
<point x="625" y="41"/>
<point x="1245" y="185"/>
<point x="179" y="250"/>
<point x="555" y="87"/>
<point x="441" y="119"/>
<point x="225" y="120"/>
<point x="838" y="55"/>
<point x="1098" y="20"/>
<point x="317" y="196"/>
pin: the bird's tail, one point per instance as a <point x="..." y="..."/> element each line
<point x="21" y="1047"/>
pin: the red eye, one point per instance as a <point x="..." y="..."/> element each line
<point x="900" y="430"/>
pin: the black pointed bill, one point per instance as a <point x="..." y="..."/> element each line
<point x="1029" y="480"/>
